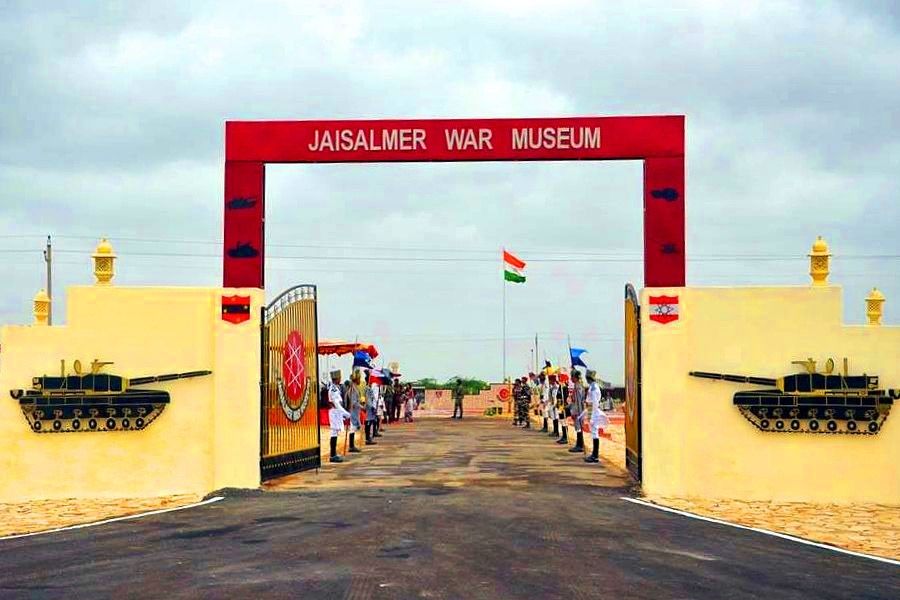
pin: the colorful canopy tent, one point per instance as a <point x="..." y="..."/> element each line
<point x="340" y="347"/>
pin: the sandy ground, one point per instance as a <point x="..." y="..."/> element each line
<point x="41" y="515"/>
<point x="868" y="528"/>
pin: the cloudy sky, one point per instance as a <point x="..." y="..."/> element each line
<point x="113" y="118"/>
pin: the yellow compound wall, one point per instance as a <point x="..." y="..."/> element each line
<point x="207" y="437"/>
<point x="697" y="444"/>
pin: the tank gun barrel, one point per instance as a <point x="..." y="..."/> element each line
<point x="167" y="377"/>
<point x="734" y="378"/>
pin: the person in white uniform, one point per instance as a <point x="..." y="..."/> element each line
<point x="598" y="417"/>
<point x="552" y="412"/>
<point x="353" y="404"/>
<point x="372" y="399"/>
<point x="576" y="410"/>
<point x="336" y="414"/>
<point x="381" y="411"/>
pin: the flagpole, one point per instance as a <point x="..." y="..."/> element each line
<point x="504" y="317"/>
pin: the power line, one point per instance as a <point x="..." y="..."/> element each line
<point x="610" y="256"/>
<point x="710" y="258"/>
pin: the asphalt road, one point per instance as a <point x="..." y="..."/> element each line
<point x="439" y="509"/>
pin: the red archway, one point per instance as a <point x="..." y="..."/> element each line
<point x="657" y="140"/>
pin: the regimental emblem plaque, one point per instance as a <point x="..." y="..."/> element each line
<point x="235" y="309"/>
<point x="663" y="309"/>
<point x="294" y="386"/>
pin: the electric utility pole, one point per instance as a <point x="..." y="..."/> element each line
<point x="48" y="258"/>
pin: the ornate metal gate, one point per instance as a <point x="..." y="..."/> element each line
<point x="632" y="382"/>
<point x="289" y="384"/>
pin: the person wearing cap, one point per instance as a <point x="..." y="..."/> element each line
<point x="351" y="403"/>
<point x="544" y="396"/>
<point x="553" y="413"/>
<point x="516" y="390"/>
<point x="598" y="417"/>
<point x="336" y="414"/>
<point x="576" y="409"/>
<point x="563" y="409"/>
<point x="523" y="402"/>
<point x="372" y="400"/>
<point x="533" y="390"/>
<point x="382" y="409"/>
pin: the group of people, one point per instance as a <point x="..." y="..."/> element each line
<point x="382" y="403"/>
<point x="557" y="402"/>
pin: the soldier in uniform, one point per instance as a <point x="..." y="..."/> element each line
<point x="563" y="409"/>
<point x="544" y="394"/>
<point x="598" y="417"/>
<point x="517" y="414"/>
<point x="458" y="393"/>
<point x="352" y="404"/>
<point x="576" y="409"/>
<point x="372" y="400"/>
<point x="552" y="397"/>
<point x="336" y="414"/>
<point x="387" y="395"/>
<point x="523" y="403"/>
<point x="532" y="384"/>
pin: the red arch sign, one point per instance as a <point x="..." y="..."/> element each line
<point x="656" y="140"/>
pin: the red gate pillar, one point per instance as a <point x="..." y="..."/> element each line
<point x="664" y="252"/>
<point x="243" y="259"/>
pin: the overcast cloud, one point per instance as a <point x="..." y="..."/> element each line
<point x="113" y="119"/>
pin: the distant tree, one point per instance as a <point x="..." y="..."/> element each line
<point x="471" y="386"/>
<point x="429" y="383"/>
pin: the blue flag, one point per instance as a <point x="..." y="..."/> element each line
<point x="576" y="353"/>
<point x="362" y="359"/>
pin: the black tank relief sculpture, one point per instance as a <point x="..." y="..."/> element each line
<point x="813" y="402"/>
<point x="668" y="194"/>
<point x="239" y="203"/>
<point x="243" y="250"/>
<point x="93" y="401"/>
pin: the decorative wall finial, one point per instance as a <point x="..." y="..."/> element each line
<point x="874" y="307"/>
<point x="41" y="308"/>
<point x="819" y="260"/>
<point x="104" y="259"/>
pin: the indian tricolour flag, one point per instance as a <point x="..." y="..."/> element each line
<point x="513" y="268"/>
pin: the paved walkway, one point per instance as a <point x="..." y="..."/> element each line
<point x="450" y="453"/>
<point x="440" y="509"/>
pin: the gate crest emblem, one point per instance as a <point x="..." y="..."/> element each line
<point x="293" y="389"/>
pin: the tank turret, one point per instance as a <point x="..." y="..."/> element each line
<point x="812" y="402"/>
<point x="94" y="401"/>
<point x="243" y="250"/>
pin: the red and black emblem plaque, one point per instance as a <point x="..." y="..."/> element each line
<point x="235" y="309"/>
